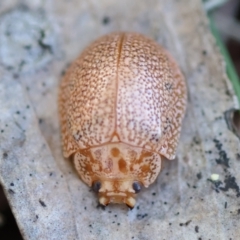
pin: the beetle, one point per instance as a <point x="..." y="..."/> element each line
<point x="121" y="106"/>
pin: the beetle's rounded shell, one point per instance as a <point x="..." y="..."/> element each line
<point x="123" y="88"/>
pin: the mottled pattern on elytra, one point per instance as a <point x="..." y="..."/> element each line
<point x="127" y="88"/>
<point x="151" y="96"/>
<point x="87" y="96"/>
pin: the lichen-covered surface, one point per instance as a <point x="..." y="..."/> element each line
<point x="37" y="41"/>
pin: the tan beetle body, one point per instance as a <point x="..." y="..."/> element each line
<point x="121" y="107"/>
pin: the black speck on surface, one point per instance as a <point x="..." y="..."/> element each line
<point x="199" y="175"/>
<point x="5" y="155"/>
<point x="153" y="193"/>
<point x="196" y="229"/>
<point x="40" y="120"/>
<point x="196" y="140"/>
<point x="12" y="184"/>
<point x="185" y="224"/>
<point x="11" y="191"/>
<point x="225" y="205"/>
<point x="17" y="112"/>
<point x="42" y="203"/>
<point x="223" y="159"/>
<point x="204" y="52"/>
<point x="230" y="183"/>
<point x="106" y="20"/>
<point x="216" y="184"/>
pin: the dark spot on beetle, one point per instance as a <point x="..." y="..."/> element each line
<point x="196" y="229"/>
<point x="115" y="215"/>
<point x="5" y="155"/>
<point x="36" y="216"/>
<point x="10" y="191"/>
<point x="194" y="187"/>
<point x="181" y="224"/>
<point x="17" y="112"/>
<point x="167" y="173"/>
<point x="118" y="224"/>
<point x="85" y="208"/>
<point x="122" y="165"/>
<point x="165" y="203"/>
<point x="50" y="174"/>
<point x="168" y="86"/>
<point x="2" y="131"/>
<point x="204" y="52"/>
<point x="154" y="194"/>
<point x="12" y="184"/>
<point x="42" y="203"/>
<point x="106" y="20"/>
<point x="30" y="175"/>
<point x="199" y="238"/>
<point x="238" y="211"/>
<point x="223" y="158"/>
<point x="40" y="120"/>
<point x="225" y="205"/>
<point x="199" y="175"/>
<point x="43" y="84"/>
<point x="170" y="224"/>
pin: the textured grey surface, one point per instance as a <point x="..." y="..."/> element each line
<point x="47" y="197"/>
